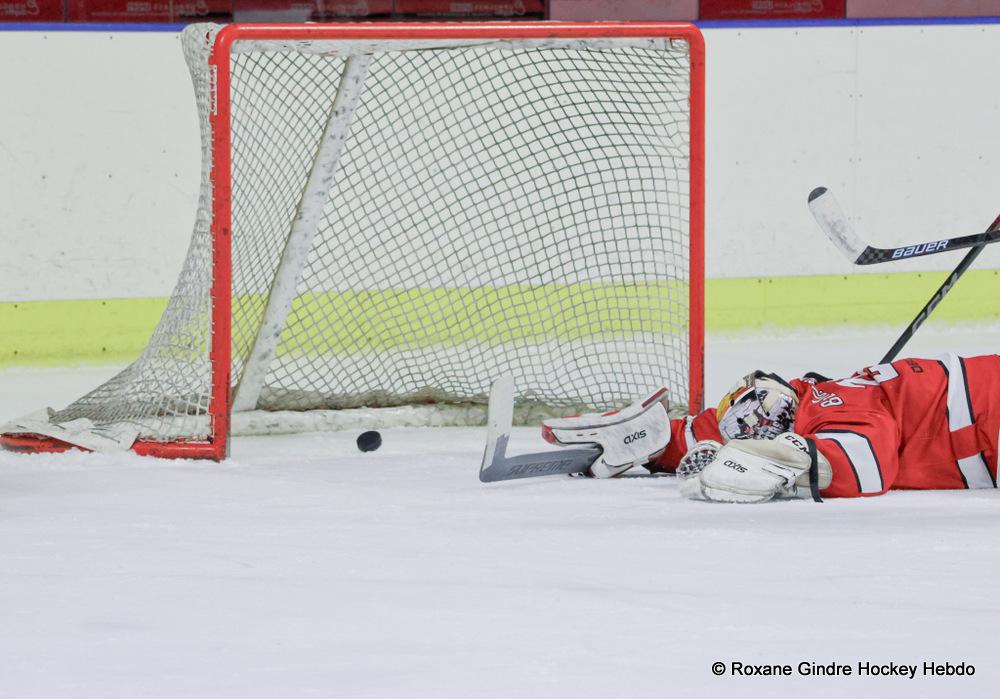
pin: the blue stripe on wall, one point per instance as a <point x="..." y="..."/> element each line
<point x="89" y="27"/>
<point x="865" y="22"/>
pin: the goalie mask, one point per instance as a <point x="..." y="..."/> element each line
<point x="759" y="406"/>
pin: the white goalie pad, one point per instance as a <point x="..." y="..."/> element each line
<point x="758" y="470"/>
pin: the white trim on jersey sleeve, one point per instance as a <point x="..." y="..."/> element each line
<point x="975" y="472"/>
<point x="959" y="413"/>
<point x="861" y="456"/>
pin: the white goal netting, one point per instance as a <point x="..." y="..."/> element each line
<point x="487" y="207"/>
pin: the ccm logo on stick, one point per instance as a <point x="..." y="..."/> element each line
<point x="641" y="434"/>
<point x="919" y="249"/>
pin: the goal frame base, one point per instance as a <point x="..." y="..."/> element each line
<point x="27" y="443"/>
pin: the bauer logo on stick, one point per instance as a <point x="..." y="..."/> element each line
<point x="922" y="249"/>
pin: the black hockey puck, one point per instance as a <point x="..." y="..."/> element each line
<point x="369" y="441"/>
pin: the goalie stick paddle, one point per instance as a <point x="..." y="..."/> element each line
<point x="831" y="219"/>
<point x="497" y="466"/>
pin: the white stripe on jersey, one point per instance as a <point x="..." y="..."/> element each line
<point x="689" y="433"/>
<point x="974" y="470"/>
<point x="859" y="453"/>
<point x="959" y="414"/>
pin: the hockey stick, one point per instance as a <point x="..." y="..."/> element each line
<point x="832" y="220"/>
<point x="929" y="307"/>
<point x="498" y="467"/>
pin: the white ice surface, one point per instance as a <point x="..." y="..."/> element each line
<point x="302" y="567"/>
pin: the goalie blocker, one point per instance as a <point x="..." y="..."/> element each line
<point x="630" y="437"/>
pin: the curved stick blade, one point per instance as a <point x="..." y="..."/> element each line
<point x="831" y="219"/>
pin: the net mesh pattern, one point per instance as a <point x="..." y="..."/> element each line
<point x="495" y="209"/>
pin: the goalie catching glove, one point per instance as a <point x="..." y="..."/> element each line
<point x="633" y="436"/>
<point x="754" y="470"/>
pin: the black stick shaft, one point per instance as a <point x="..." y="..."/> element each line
<point x="942" y="291"/>
<point x="873" y="256"/>
<point x="932" y="303"/>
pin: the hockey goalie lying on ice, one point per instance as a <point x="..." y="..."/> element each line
<point x="912" y="424"/>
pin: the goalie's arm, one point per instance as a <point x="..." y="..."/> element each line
<point x="859" y="436"/>
<point x="863" y="452"/>
<point x="684" y="434"/>
<point x="858" y="453"/>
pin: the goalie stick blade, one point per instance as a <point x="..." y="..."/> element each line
<point x="831" y="219"/>
<point x="538" y="464"/>
<point x="496" y="466"/>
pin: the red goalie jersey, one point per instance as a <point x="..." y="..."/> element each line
<point x="921" y="424"/>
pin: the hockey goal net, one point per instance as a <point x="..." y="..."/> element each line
<point x="394" y="215"/>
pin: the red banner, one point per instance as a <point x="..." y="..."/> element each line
<point x="630" y="10"/>
<point x="309" y="10"/>
<point x="31" y="11"/>
<point x="923" y="8"/>
<point x="148" y="10"/>
<point x="773" y="9"/>
<point x="534" y="9"/>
